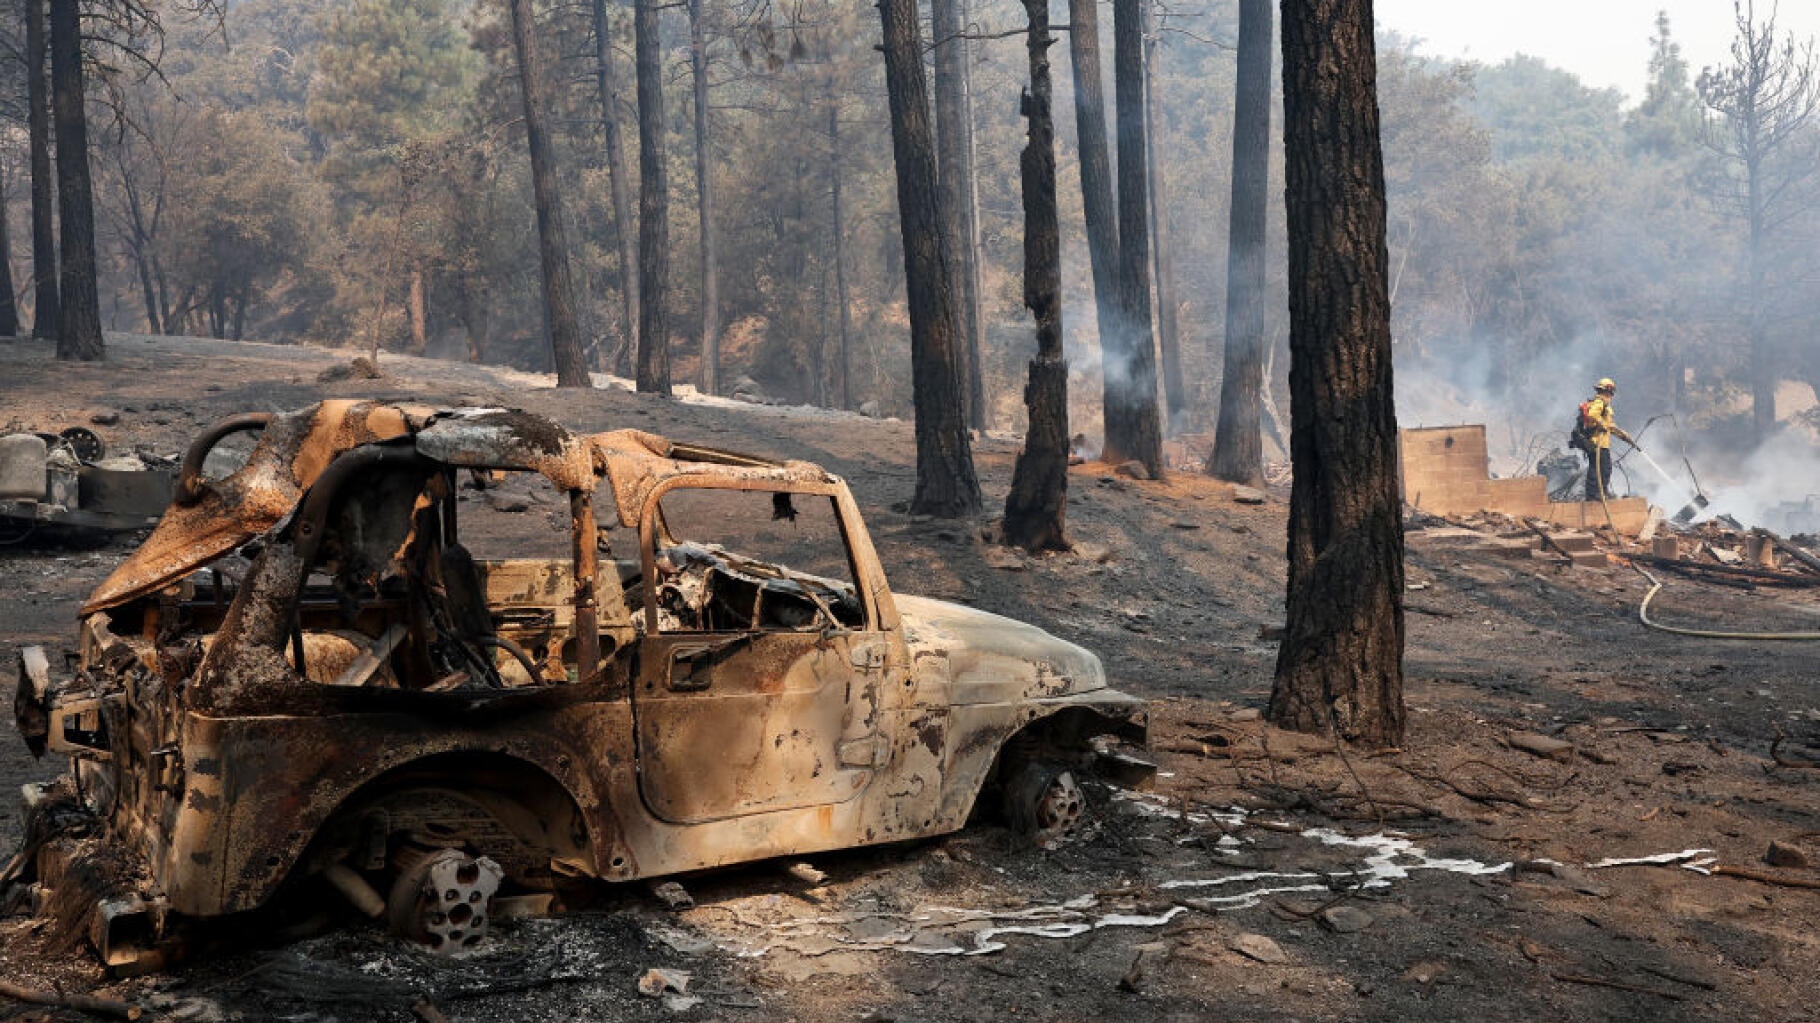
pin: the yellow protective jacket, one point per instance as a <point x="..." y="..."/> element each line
<point x="1601" y="423"/>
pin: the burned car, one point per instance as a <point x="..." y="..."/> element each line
<point x="366" y="664"/>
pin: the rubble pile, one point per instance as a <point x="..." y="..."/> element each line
<point x="1719" y="550"/>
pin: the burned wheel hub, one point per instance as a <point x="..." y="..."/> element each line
<point x="444" y="899"/>
<point x="1044" y="801"/>
<point x="1060" y="806"/>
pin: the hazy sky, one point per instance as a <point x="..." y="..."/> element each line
<point x="1605" y="42"/>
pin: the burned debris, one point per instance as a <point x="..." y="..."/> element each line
<point x="65" y="487"/>
<point x="321" y="674"/>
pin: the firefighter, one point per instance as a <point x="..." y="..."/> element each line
<point x="1599" y="424"/>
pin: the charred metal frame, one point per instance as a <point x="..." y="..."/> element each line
<point x="262" y="791"/>
<point x="189" y="479"/>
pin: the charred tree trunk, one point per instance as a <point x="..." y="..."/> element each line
<point x="953" y="128"/>
<point x="79" y="300"/>
<point x="974" y="298"/>
<point x="945" y="482"/>
<point x="415" y="311"/>
<point x="139" y="242"/>
<point x="9" y="309"/>
<point x="653" y="207"/>
<point x="844" y="365"/>
<point x="1036" y="511"/>
<point x="1168" y="340"/>
<point x="44" y="186"/>
<point x="1238" y="447"/>
<point x="1097" y="204"/>
<point x="1133" y="426"/>
<point x="704" y="182"/>
<point x="566" y="347"/>
<point x="148" y="290"/>
<point x="1340" y="666"/>
<point x="606" y="77"/>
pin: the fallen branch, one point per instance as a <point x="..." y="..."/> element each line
<point x="1767" y="576"/>
<point x="1207" y="751"/>
<point x="1762" y="877"/>
<point x="1333" y="732"/>
<point x="1704" y="985"/>
<point x="1549" y="541"/>
<point x="81" y="1003"/>
<point x="1618" y="985"/>
<point x="1432" y="612"/>
<point x="1782" y="761"/>
<point x="1795" y="551"/>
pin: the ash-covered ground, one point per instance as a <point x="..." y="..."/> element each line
<point x="1270" y="877"/>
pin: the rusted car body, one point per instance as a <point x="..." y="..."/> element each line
<point x="364" y="696"/>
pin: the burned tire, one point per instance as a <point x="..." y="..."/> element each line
<point x="443" y="899"/>
<point x="1043" y="801"/>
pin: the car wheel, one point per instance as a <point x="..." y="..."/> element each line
<point x="443" y="898"/>
<point x="1044" y="801"/>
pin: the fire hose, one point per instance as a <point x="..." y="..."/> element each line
<point x="1655" y="586"/>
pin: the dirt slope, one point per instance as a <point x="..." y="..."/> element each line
<point x="1136" y="919"/>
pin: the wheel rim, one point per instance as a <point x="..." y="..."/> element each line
<point x="445" y="900"/>
<point x="1059" y="807"/>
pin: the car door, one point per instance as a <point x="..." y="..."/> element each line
<point x="758" y="682"/>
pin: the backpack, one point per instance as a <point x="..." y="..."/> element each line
<point x="1579" y="438"/>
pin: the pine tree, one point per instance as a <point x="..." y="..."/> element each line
<point x="1667" y="122"/>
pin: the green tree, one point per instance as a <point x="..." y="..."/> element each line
<point x="1542" y="112"/>
<point x="389" y="73"/>
<point x="1667" y="122"/>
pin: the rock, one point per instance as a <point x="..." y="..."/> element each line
<point x="360" y="367"/>
<point x="1573" y="876"/>
<point x="658" y="980"/>
<point x="869" y="409"/>
<point x="106" y="417"/>
<point x="680" y="1003"/>
<point x="1134" y="469"/>
<point x="1541" y="745"/>
<point x="1148" y="954"/>
<point x="1244" y="714"/>
<point x="1345" y="919"/>
<point x="1425" y="972"/>
<point x="806" y="873"/>
<point x="681" y="942"/>
<point x="1781" y="854"/>
<point x="1259" y="948"/>
<point x="674" y="897"/>
<point x="1247" y="495"/>
<point x="510" y="504"/>
<point x="1095" y="552"/>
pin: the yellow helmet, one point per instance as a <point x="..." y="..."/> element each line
<point x="1607" y="384"/>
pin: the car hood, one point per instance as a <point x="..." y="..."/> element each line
<point x="989" y="658"/>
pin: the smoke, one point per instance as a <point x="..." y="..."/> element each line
<point x="1777" y="486"/>
<point x="1525" y="396"/>
<point x="1528" y="411"/>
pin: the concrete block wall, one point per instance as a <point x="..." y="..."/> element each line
<point x="1446" y="471"/>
